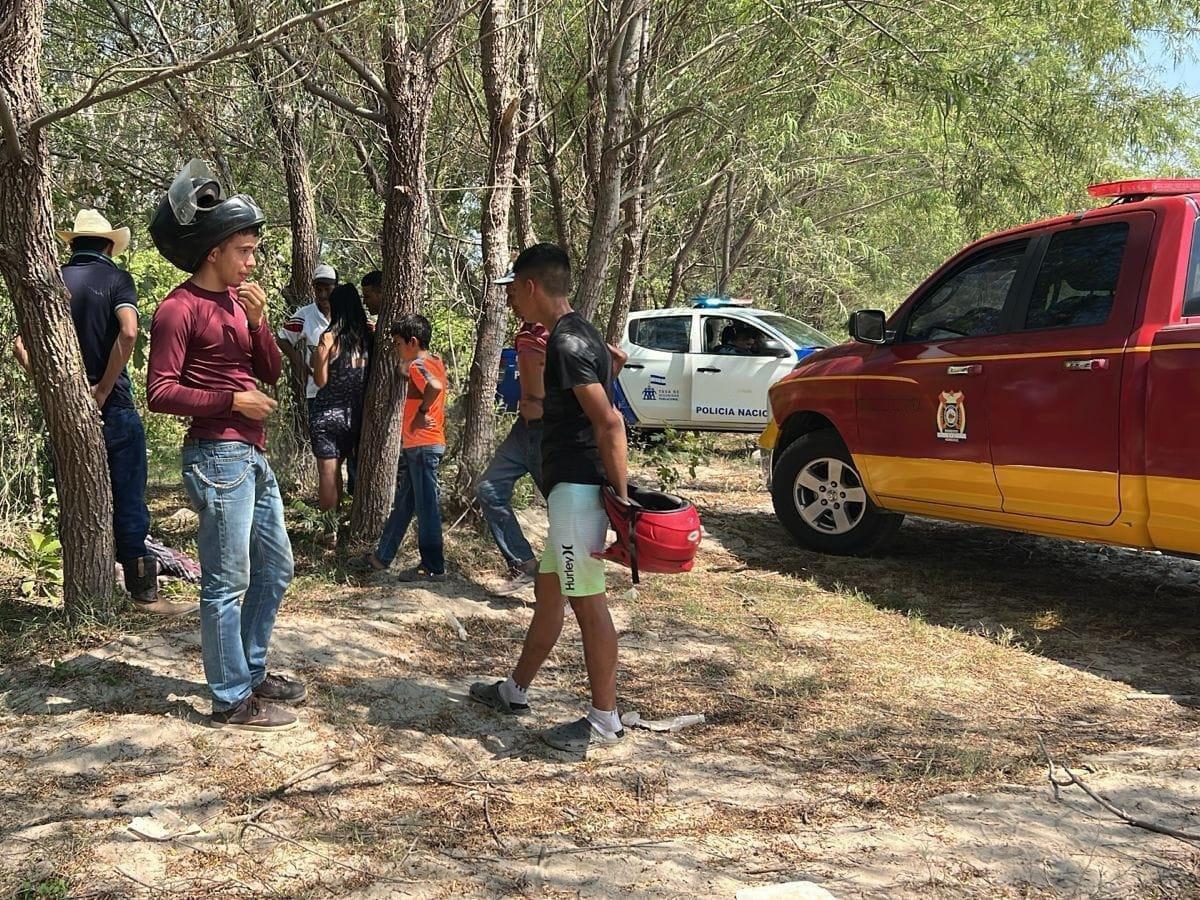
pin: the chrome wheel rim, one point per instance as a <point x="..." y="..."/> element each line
<point x="830" y="496"/>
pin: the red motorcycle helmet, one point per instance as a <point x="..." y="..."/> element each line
<point x="656" y="531"/>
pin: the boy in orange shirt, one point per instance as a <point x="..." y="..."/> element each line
<point x="423" y="444"/>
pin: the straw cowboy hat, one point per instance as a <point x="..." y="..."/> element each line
<point x="89" y="223"/>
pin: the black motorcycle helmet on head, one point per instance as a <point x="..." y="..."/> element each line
<point x="195" y="216"/>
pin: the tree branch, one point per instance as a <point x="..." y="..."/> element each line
<point x="9" y="127"/>
<point x="369" y="171"/>
<point x="324" y="93"/>
<point x="369" y="78"/>
<point x="263" y="39"/>
<point x="655" y="125"/>
<point x="1189" y="837"/>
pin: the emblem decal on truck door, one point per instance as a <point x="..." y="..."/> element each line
<point x="952" y="417"/>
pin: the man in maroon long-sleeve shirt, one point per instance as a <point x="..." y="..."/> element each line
<point x="209" y="346"/>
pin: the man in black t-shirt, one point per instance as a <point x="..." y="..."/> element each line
<point x="583" y="448"/>
<point x="104" y="311"/>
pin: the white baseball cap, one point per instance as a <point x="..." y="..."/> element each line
<point x="507" y="278"/>
<point x="325" y="272"/>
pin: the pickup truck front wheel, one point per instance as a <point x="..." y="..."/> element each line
<point x="820" y="498"/>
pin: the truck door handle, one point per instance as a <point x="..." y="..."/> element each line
<point x="973" y="369"/>
<point x="707" y="369"/>
<point x="629" y="365"/>
<point x="1085" y="365"/>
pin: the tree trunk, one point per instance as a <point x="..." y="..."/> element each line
<point x="634" y="207"/>
<point x="302" y="215"/>
<point x="496" y="46"/>
<point x="30" y="269"/>
<point x="679" y="263"/>
<point x="410" y="75"/>
<point x="527" y="66"/>
<point x="623" y="50"/>
<point x="726" y="236"/>
<point x="558" y="205"/>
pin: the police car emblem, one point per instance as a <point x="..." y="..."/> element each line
<point x="952" y="417"/>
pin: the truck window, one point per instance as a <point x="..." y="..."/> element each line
<point x="672" y="334"/>
<point x="1078" y="277"/>
<point x="969" y="301"/>
<point x="732" y="337"/>
<point x="1191" y="301"/>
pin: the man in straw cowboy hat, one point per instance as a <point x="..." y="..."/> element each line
<point x="104" y="310"/>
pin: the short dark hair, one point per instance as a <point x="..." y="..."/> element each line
<point x="413" y="325"/>
<point x="548" y="265"/>
<point x="91" y="244"/>
<point x="374" y="279"/>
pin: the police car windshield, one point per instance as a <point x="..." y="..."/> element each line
<point x="799" y="333"/>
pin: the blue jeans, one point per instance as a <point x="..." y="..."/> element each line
<point x="518" y="455"/>
<point x="125" y="440"/>
<point x="416" y="492"/>
<point x="245" y="562"/>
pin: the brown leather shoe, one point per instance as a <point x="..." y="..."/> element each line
<point x="281" y="689"/>
<point x="253" y="714"/>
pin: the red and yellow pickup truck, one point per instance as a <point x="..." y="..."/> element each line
<point x="1046" y="380"/>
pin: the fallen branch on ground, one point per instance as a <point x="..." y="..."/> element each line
<point x="311" y="772"/>
<point x="487" y="815"/>
<point x="1073" y="779"/>
<point x="295" y="843"/>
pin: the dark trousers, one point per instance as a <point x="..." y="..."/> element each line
<point x="417" y="494"/>
<point x="125" y="440"/>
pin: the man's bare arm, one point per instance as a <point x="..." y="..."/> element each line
<point x="609" y="426"/>
<point x="118" y="357"/>
<point x="21" y="353"/>
<point x="531" y="371"/>
<point x="619" y="358"/>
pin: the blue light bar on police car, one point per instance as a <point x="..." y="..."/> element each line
<point x="718" y="302"/>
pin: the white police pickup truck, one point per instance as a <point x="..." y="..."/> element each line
<point x="709" y="367"/>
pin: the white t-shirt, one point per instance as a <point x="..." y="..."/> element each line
<point x="303" y="331"/>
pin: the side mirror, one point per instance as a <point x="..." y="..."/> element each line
<point x="869" y="326"/>
<point x="772" y="347"/>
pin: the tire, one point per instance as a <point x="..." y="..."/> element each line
<point x="829" y="511"/>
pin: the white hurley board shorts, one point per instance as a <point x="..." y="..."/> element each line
<point x="578" y="528"/>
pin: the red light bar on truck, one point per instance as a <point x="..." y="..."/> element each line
<point x="1146" y="187"/>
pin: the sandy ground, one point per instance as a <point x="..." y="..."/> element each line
<point x="426" y="795"/>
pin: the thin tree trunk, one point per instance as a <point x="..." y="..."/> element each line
<point x="726" y="235"/>
<point x="633" y="209"/>
<point x="496" y="46"/>
<point x="411" y="76"/>
<point x="558" y="205"/>
<point x="302" y="215"/>
<point x="527" y="67"/>
<point x="679" y="264"/>
<point x="623" y="51"/>
<point x="189" y="111"/>
<point x="30" y="269"/>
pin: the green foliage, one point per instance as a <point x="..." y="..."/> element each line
<point x="669" y="450"/>
<point x="55" y="887"/>
<point x="41" y="560"/>
<point x="848" y="151"/>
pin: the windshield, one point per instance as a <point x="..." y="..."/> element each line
<point x="799" y="333"/>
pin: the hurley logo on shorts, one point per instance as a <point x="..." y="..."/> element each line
<point x="568" y="558"/>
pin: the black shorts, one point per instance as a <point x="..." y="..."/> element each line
<point x="333" y="432"/>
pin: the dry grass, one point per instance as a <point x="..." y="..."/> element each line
<point x="837" y="693"/>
